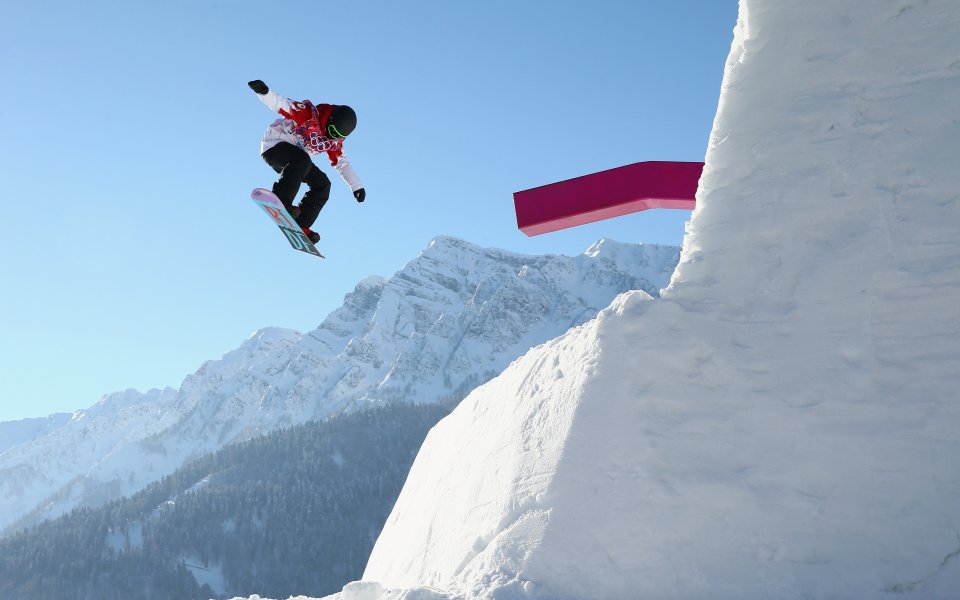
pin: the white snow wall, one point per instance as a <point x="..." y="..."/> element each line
<point x="785" y="421"/>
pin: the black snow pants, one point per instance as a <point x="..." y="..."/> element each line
<point x="295" y="167"/>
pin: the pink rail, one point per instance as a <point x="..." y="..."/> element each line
<point x="607" y="194"/>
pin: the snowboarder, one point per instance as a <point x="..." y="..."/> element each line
<point x="306" y="129"/>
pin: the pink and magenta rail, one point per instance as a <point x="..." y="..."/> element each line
<point x="607" y="194"/>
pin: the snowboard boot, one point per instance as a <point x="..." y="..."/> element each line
<point x="313" y="236"/>
<point x="293" y="210"/>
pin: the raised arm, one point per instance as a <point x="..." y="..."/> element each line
<point x="298" y="111"/>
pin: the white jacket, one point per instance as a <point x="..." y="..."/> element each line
<point x="302" y="126"/>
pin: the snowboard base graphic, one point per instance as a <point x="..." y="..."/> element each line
<point x="294" y="234"/>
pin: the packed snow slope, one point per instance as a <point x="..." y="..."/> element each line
<point x="452" y="318"/>
<point x="784" y="422"/>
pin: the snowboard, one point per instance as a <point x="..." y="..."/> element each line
<point x="294" y="234"/>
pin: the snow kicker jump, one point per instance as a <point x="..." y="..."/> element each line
<point x="607" y="194"/>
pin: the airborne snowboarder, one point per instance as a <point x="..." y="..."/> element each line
<point x="306" y="129"/>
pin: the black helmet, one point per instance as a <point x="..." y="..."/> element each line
<point x="341" y="122"/>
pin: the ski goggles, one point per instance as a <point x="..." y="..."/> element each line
<point x="332" y="131"/>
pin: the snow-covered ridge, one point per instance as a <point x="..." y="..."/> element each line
<point x="13" y="433"/>
<point x="449" y="320"/>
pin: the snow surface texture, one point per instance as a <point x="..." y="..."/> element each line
<point x="449" y="320"/>
<point x="784" y="421"/>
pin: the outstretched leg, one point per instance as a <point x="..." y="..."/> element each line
<point x="292" y="164"/>
<point x="316" y="196"/>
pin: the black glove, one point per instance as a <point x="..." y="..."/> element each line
<point x="258" y="86"/>
<point x="360" y="195"/>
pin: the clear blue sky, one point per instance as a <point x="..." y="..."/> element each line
<point x="131" y="252"/>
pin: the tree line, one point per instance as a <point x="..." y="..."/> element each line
<point x="293" y="512"/>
